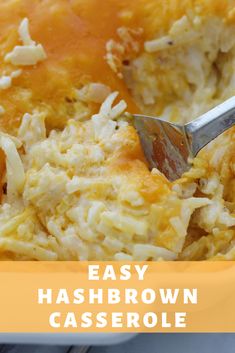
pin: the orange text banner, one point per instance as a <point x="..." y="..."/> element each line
<point x="117" y="297"/>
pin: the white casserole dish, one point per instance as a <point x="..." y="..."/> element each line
<point x="66" y="338"/>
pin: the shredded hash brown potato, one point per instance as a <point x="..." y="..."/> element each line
<point x="74" y="181"/>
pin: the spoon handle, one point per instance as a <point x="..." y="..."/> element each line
<point x="209" y="125"/>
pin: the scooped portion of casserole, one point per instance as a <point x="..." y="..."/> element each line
<point x="74" y="181"/>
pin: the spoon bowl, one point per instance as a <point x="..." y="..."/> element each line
<point x="171" y="147"/>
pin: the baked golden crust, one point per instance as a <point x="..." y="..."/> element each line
<point x="74" y="34"/>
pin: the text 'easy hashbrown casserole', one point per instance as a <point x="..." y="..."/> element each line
<point x="74" y="181"/>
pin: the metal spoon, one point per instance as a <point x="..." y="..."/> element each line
<point x="171" y="147"/>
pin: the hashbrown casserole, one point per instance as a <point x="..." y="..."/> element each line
<point x="74" y="180"/>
